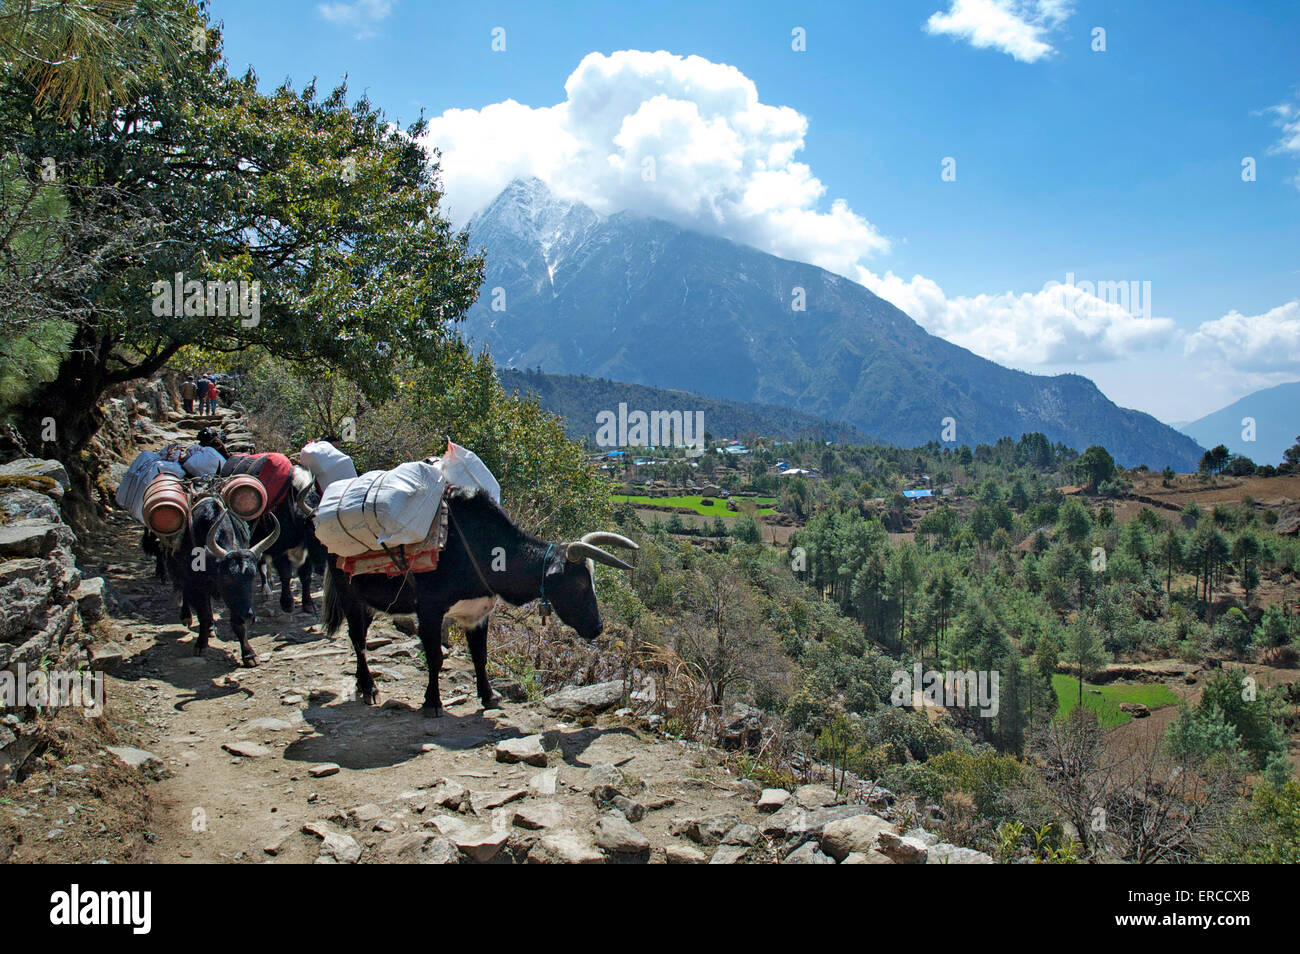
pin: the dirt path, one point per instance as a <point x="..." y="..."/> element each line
<point x="395" y="777"/>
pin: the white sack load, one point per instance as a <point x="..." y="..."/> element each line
<point x="463" y="468"/>
<point x="327" y="463"/>
<point x="380" y="508"/>
<point x="146" y="466"/>
<point x="203" y="461"/>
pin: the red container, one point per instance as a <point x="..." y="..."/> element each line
<point x="245" y="496"/>
<point x="165" y="505"/>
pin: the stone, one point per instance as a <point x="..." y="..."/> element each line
<point x="527" y="749"/>
<point x="860" y="833"/>
<point x="795" y="821"/>
<point x="544" y="783"/>
<point x="946" y="854"/>
<point x="450" y="794"/>
<point x="1136" y="709"/>
<point x="615" y="835"/>
<point x="743" y="834"/>
<point x="585" y="700"/>
<point x="324" y="770"/>
<point x="709" y="830"/>
<point x="632" y="811"/>
<point x="872" y="857"/>
<point x="245" y="749"/>
<point x="815" y="796"/>
<point x="481" y="802"/>
<point x="105" y="657"/>
<point x="89" y="595"/>
<point x="928" y="837"/>
<point x="136" y="758"/>
<point x="270" y="725"/>
<point x="685" y="855"/>
<point x="343" y="849"/>
<point x="479" y="843"/>
<point x="536" y="816"/>
<point x="275" y="844"/>
<point x="565" y="847"/>
<point x="35" y="467"/>
<point x="903" y="849"/>
<point x="807" y="854"/>
<point x="729" y="855"/>
<point x="772" y="799"/>
<point x="31" y="539"/>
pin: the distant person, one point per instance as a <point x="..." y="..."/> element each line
<point x="209" y="397"/>
<point x="189" y="391"/>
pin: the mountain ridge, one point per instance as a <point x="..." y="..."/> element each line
<point x="641" y="300"/>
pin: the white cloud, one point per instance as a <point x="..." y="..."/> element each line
<point x="1061" y="324"/>
<point x="1287" y="118"/>
<point x="725" y="162"/>
<point x="1259" y="344"/>
<point x="1017" y="27"/>
<point x="680" y="138"/>
<point x="360" y="15"/>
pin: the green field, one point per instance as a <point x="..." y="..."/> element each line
<point x="1153" y="695"/>
<point x="716" y="509"/>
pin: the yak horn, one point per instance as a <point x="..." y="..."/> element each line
<point x="602" y="538"/>
<point x="211" y="543"/>
<point x="261" y="546"/>
<point x="300" y="501"/>
<point x="581" y="550"/>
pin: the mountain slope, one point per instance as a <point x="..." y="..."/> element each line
<point x="647" y="302"/>
<point x="578" y="398"/>
<point x="1276" y="412"/>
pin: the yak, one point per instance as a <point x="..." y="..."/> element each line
<point x="296" y="549"/>
<point x="486" y="557"/>
<point x="224" y="566"/>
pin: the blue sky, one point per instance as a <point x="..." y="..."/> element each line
<point x="1122" y="165"/>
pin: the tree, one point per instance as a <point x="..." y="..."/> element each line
<point x="1214" y="460"/>
<point x="727" y="639"/>
<point x="1084" y="651"/>
<point x="1094" y="466"/>
<point x="324" y="204"/>
<point x="1170" y="551"/>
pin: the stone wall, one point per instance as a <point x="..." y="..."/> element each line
<point x="45" y="604"/>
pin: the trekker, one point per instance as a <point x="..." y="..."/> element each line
<point x="189" y="391"/>
<point x="212" y="397"/>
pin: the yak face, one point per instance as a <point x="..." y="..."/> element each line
<point x="570" y="587"/>
<point x="237" y="577"/>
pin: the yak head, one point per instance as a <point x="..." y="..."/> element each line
<point x="236" y="568"/>
<point x="571" y="582"/>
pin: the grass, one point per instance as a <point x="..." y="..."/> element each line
<point x="716" y="509"/>
<point x="1153" y="695"/>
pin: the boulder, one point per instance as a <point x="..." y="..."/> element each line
<point x="729" y="855"/>
<point x="816" y="796"/>
<point x="565" y="847"/>
<point x="89" y="595"/>
<point x="872" y="857"/>
<point x="772" y="799"/>
<point x="859" y="833"/>
<point x="616" y="836"/>
<point x="527" y="749"/>
<point x="536" y="816"/>
<point x="585" y="700"/>
<point x="946" y="854"/>
<point x="903" y="849"/>
<point x="708" y="830"/>
<point x="337" y="848"/>
<point x="807" y="854"/>
<point x="684" y="855"/>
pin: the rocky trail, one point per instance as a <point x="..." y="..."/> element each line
<point x="199" y="760"/>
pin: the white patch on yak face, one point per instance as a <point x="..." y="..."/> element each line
<point x="469" y="613"/>
<point x="297" y="556"/>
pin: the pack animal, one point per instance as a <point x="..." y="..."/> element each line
<point x="486" y="557"/>
<point x="224" y="566"/>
